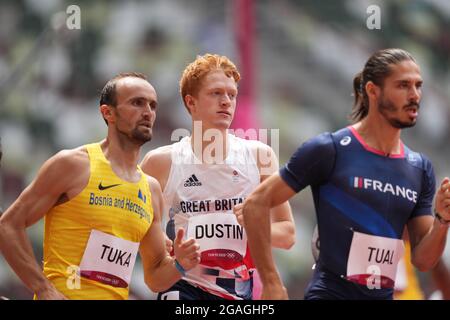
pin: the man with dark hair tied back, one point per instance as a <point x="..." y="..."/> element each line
<point x="367" y="187"/>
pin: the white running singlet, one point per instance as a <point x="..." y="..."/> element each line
<point x="200" y="198"/>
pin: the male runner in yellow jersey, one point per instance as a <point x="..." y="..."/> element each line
<point x="99" y="208"/>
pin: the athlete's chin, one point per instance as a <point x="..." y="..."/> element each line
<point x="141" y="142"/>
<point x="412" y="122"/>
<point x="142" y="137"/>
<point x="223" y="124"/>
<point x="146" y="138"/>
<point x="404" y="124"/>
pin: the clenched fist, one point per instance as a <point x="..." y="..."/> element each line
<point x="442" y="202"/>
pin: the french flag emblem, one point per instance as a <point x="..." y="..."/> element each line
<point x="356" y="182"/>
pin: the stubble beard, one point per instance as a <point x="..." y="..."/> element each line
<point x="387" y="108"/>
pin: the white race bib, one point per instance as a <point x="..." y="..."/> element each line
<point x="222" y="240"/>
<point x="373" y="260"/>
<point x="109" y="259"/>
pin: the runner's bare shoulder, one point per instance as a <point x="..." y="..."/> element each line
<point x="75" y="160"/>
<point x="69" y="169"/>
<point x="158" y="161"/>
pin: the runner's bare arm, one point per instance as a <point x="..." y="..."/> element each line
<point x="427" y="235"/>
<point x="270" y="193"/>
<point x="160" y="272"/>
<point x="157" y="163"/>
<point x="282" y="226"/>
<point x="60" y="176"/>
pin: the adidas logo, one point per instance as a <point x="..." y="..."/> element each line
<point x="192" y="182"/>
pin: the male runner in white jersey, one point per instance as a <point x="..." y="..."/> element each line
<point x="205" y="176"/>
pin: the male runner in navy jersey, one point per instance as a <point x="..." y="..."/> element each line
<point x="367" y="186"/>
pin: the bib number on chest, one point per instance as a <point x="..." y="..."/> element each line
<point x="373" y="260"/>
<point x="109" y="259"/>
<point x="223" y="242"/>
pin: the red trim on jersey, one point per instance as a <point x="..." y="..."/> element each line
<point x="376" y="151"/>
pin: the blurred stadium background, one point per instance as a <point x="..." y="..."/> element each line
<point x="297" y="60"/>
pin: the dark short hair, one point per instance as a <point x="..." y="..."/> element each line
<point x="376" y="69"/>
<point x="109" y="95"/>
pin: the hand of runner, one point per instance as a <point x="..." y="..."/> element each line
<point x="186" y="252"/>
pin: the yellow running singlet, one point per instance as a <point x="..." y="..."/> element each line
<point x="91" y="241"/>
